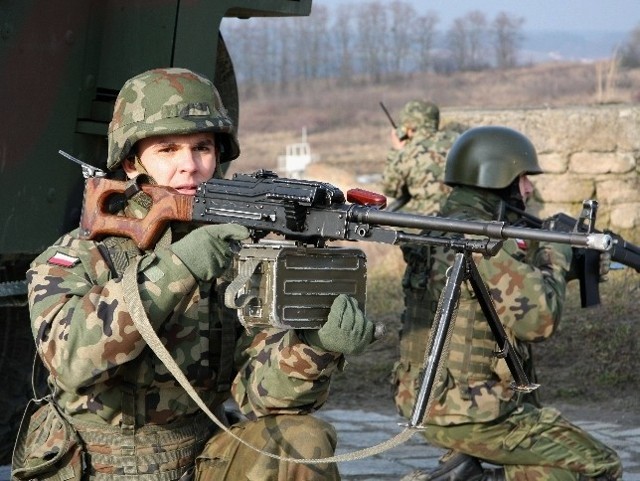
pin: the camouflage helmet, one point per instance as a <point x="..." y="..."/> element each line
<point x="168" y="101"/>
<point x="490" y="157"/>
<point x="418" y="114"/>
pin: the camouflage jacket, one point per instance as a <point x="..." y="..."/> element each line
<point x="89" y="344"/>
<point x="418" y="168"/>
<point x="527" y="288"/>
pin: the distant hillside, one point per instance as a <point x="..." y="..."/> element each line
<point x="543" y="46"/>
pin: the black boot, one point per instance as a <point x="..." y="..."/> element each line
<point x="496" y="474"/>
<point x="457" y="467"/>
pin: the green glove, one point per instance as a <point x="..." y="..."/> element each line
<point x="346" y="331"/>
<point x="556" y="257"/>
<point x="206" y="251"/>
<point x="604" y="266"/>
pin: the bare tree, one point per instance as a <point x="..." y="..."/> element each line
<point x="478" y="36"/>
<point x="507" y="38"/>
<point x="467" y="39"/>
<point x="371" y="39"/>
<point x="241" y="39"/>
<point x="286" y="71"/>
<point x="458" y="44"/>
<point x="630" y="51"/>
<point x="343" y="33"/>
<point x="402" y="17"/>
<point x="311" y="41"/>
<point x="425" y="31"/>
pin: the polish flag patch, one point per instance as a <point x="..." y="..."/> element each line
<point x="63" y="260"/>
<point x="522" y="244"/>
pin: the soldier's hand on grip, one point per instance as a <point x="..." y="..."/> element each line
<point x="556" y="257"/>
<point x="347" y="330"/>
<point x="604" y="266"/>
<point x="207" y="250"/>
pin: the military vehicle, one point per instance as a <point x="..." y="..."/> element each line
<point x="63" y="63"/>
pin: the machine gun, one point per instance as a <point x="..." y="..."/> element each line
<point x="585" y="263"/>
<point x="308" y="214"/>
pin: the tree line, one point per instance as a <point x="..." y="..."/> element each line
<point x="374" y="42"/>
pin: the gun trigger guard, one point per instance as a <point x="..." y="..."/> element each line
<point x="231" y="297"/>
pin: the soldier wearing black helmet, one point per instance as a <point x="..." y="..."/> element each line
<point x="476" y="414"/>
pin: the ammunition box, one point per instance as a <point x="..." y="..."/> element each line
<point x="283" y="285"/>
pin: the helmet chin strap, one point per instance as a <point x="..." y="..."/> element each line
<point x="218" y="173"/>
<point x="511" y="195"/>
<point x="137" y="163"/>
<point x="141" y="170"/>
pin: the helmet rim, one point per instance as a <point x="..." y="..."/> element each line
<point x="490" y="157"/>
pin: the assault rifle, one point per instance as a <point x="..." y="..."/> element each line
<point x="586" y="262"/>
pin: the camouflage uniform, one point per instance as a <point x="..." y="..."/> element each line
<point x="103" y="373"/>
<point x="475" y="409"/>
<point x="134" y="419"/>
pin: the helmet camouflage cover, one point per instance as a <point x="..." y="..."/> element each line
<point x="168" y="101"/>
<point x="418" y="114"/>
<point x="490" y="157"/>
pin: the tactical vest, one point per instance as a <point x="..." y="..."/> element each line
<point x="471" y="350"/>
<point x="419" y="308"/>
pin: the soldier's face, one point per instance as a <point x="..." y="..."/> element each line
<point x="526" y="188"/>
<point x="178" y="161"/>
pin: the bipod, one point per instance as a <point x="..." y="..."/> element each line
<point x="464" y="268"/>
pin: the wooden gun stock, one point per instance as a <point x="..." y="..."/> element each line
<point x="96" y="221"/>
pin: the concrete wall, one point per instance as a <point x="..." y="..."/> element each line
<point x="586" y="153"/>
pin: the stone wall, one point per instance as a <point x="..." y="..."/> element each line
<point x="586" y="153"/>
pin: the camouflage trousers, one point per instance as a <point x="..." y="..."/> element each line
<point x="297" y="436"/>
<point x="532" y="444"/>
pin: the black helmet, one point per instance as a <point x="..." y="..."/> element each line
<point x="490" y="157"/>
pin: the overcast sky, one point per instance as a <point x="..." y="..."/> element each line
<point x="567" y="15"/>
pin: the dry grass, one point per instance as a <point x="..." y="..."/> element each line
<point x="594" y="354"/>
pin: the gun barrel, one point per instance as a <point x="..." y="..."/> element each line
<point x="492" y="229"/>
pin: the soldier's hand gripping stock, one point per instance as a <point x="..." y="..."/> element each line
<point x="347" y="329"/>
<point x="208" y="250"/>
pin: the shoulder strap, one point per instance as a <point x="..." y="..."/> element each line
<point x="141" y="321"/>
